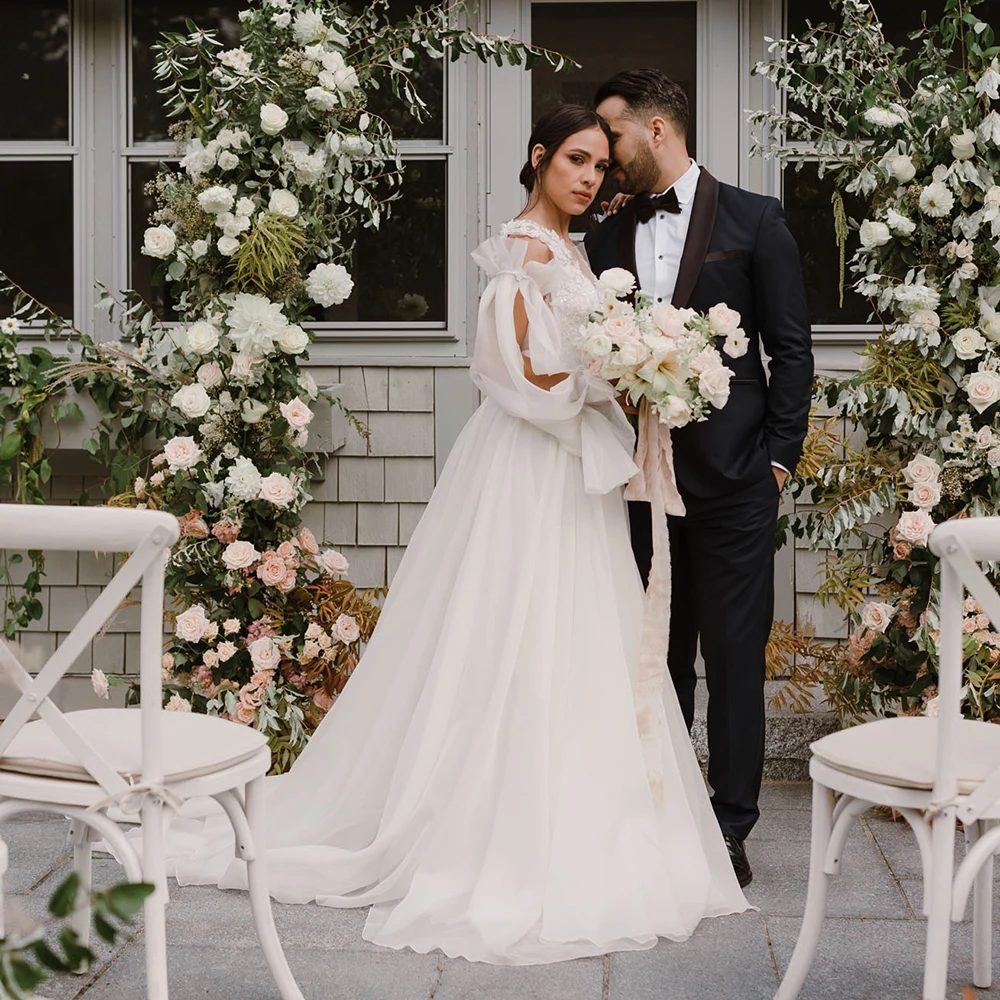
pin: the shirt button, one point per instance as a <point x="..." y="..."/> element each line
<point x="662" y="216"/>
<point x="661" y="256"/>
<point x="660" y="299"/>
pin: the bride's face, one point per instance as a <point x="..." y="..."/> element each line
<point x="572" y="178"/>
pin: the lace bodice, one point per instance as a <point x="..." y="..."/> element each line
<point x="571" y="299"/>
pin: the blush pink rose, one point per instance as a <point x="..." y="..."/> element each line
<point x="914" y="526"/>
<point x="307" y="541"/>
<point x="239" y="555"/>
<point x="287" y="582"/>
<point x="333" y="561"/>
<point x="272" y="571"/>
<point x="277" y="489"/>
<point x="346" y="629"/>
<point x="244" y="715"/>
<point x="287" y="552"/>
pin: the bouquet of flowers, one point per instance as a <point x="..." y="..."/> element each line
<point x="662" y="354"/>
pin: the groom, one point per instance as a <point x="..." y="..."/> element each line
<point x="693" y="241"/>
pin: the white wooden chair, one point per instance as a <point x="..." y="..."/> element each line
<point x="77" y="764"/>
<point x="932" y="770"/>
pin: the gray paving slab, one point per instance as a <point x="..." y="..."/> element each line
<point x="579" y="980"/>
<point x="213" y="972"/>
<point x="36" y="843"/>
<point x="727" y="958"/>
<point x="782" y="825"/>
<point x="874" y="959"/>
<point x="864" y="887"/>
<point x="785" y="795"/>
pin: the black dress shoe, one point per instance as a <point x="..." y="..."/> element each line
<point x="741" y="863"/>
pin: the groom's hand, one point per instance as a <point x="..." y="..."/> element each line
<point x="616" y="204"/>
<point x="781" y="476"/>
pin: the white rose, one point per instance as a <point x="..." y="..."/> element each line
<point x="215" y="200"/>
<point x="245" y="207"/>
<point x="993" y="458"/>
<point x="631" y="353"/>
<point x="321" y="98"/>
<point x="991" y="327"/>
<point x="202" y="338"/>
<point x="333" y="561"/>
<point x="226" y="651"/>
<point x="181" y="453"/>
<point x="264" y="654"/>
<point x="284" y="203"/>
<point x="713" y="384"/>
<point x="985" y="438"/>
<point x="296" y="413"/>
<point x="983" y="390"/>
<point x="329" y="284"/>
<point x="736" y="344"/>
<point x="963" y="145"/>
<point x="277" y="489"/>
<point x="675" y="413"/>
<point x="232" y="225"/>
<point x="346" y="629"/>
<point x="992" y="196"/>
<point x="308" y="385"/>
<point x="177" y="704"/>
<point x="936" y="201"/>
<point x="876" y="616"/>
<point x="968" y="343"/>
<point x="670" y="320"/>
<point x="198" y="249"/>
<point x="899" y="223"/>
<point x="159" y="241"/>
<point x="597" y="345"/>
<point x="723" y="320"/>
<point x="192" y="624"/>
<point x="874" y="234"/>
<point x="617" y="281"/>
<point x="282" y="19"/>
<point x="705" y="360"/>
<point x="925" y="495"/>
<point x="240" y="555"/>
<point x="294" y="340"/>
<point x="900" y="167"/>
<point x="355" y="145"/>
<point x="99" y="680"/>
<point x="926" y="320"/>
<point x="228" y="245"/>
<point x="922" y="469"/>
<point x="272" y="118"/>
<point x="253" y="411"/>
<point x="209" y="375"/>
<point x="192" y="400"/>
<point x="343" y="78"/>
<point x="228" y="161"/>
<point x="915" y="527"/>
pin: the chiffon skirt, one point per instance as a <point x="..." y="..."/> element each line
<point x="480" y="780"/>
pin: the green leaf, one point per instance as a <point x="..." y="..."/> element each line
<point x="125" y="901"/>
<point x="26" y="977"/>
<point x="48" y="958"/>
<point x="64" y="898"/>
<point x="106" y="931"/>
<point x="10" y="446"/>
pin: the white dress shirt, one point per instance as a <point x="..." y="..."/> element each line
<point x="659" y="244"/>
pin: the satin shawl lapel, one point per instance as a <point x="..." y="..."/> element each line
<point x="703" y="212"/>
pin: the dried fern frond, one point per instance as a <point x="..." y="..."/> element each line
<point x="801" y="660"/>
<point x="824" y="446"/>
<point x="269" y="250"/>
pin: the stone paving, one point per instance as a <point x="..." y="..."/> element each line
<point x="872" y="945"/>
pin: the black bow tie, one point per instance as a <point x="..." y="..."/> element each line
<point x="646" y="206"/>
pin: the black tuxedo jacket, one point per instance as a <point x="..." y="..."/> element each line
<point x="738" y="251"/>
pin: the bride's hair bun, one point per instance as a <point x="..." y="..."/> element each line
<point x="552" y="130"/>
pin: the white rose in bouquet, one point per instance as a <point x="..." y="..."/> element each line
<point x="199" y="158"/>
<point x="192" y="624"/>
<point x="253" y="411"/>
<point x="329" y="284"/>
<point x="899" y="224"/>
<point x="202" y="338"/>
<point x="993" y="458"/>
<point x="99" y="681"/>
<point x="914" y="526"/>
<point x="346" y="629"/>
<point x="705" y="360"/>
<point x="272" y="118"/>
<point x="277" y="489"/>
<point x="159" y="241"/>
<point x="991" y="328"/>
<point x="353" y="145"/>
<point x="963" y="145"/>
<point x="215" y="200"/>
<point x="240" y="555"/>
<point x="675" y="412"/>
<point x="198" y="249"/>
<point x="983" y="390"/>
<point x="925" y="495"/>
<point x="293" y="340"/>
<point x="308" y="385"/>
<point x="922" y="469"/>
<point x="264" y="653"/>
<point x="874" y="234"/>
<point x="309" y="167"/>
<point x="900" y="167"/>
<point x="209" y="374"/>
<point x="228" y="160"/>
<point x="181" y="453"/>
<point x="228" y="245"/>
<point x="617" y="281"/>
<point x="713" y="384"/>
<point x="968" y="344"/>
<point x="322" y="98"/>
<point x="670" y="320"/>
<point x="232" y="225"/>
<point x="631" y="352"/>
<point x="284" y="203"/>
<point x="192" y="400"/>
<point x="876" y="616"/>
<point x="723" y="320"/>
<point x="296" y="413"/>
<point x="598" y="345"/>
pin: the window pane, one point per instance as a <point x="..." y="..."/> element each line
<point x="662" y="35"/>
<point x="428" y="81"/>
<point x="43" y="204"/>
<point x="401" y="270"/>
<point x="141" y="266"/>
<point x="34" y="69"/>
<point x="810" y="218"/>
<point x="149" y="19"/>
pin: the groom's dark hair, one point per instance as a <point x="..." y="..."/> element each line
<point x="648" y="92"/>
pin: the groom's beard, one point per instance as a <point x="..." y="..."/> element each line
<point x="642" y="173"/>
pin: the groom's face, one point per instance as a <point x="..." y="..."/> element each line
<point x="635" y="167"/>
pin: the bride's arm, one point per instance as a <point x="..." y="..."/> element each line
<point x="537" y="251"/>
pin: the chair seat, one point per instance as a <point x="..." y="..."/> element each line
<point x="903" y="752"/>
<point x="193" y="745"/>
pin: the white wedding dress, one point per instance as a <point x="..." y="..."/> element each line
<point x="480" y="780"/>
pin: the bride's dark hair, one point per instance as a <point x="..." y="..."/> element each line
<point x="553" y="129"/>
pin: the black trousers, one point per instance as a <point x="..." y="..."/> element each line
<point x="722" y="560"/>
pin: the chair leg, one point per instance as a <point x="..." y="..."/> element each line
<point x="260" y="900"/>
<point x="939" y="892"/>
<point x="154" y="907"/>
<point x="812" y="921"/>
<point x="81" y="837"/>
<point x="3" y="872"/>
<point x="982" y="914"/>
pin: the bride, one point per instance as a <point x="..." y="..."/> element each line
<point x="481" y="779"/>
